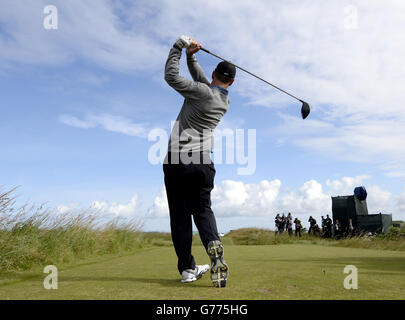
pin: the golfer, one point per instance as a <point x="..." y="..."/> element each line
<point x="188" y="169"/>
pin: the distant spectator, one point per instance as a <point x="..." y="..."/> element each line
<point x="312" y="223"/>
<point x="350" y="228"/>
<point x="289" y="224"/>
<point x="298" y="227"/>
<point x="337" y="229"/>
<point x="283" y="222"/>
<point x="278" y="224"/>
<point x="323" y="226"/>
<point x="328" y="227"/>
<point x="316" y="230"/>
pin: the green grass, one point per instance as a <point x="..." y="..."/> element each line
<point x="293" y="271"/>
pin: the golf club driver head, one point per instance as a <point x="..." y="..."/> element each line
<point x="305" y="110"/>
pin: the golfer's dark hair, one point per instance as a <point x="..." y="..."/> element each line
<point x="222" y="78"/>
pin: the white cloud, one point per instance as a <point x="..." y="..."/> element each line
<point x="66" y="208"/>
<point x="75" y="122"/>
<point x="230" y="198"/>
<point x="160" y="207"/>
<point x="238" y="199"/>
<point x="87" y="30"/>
<point x="312" y="198"/>
<point x="235" y="198"/>
<point x="108" y="122"/>
<point x="401" y="201"/>
<point x="345" y="185"/>
<point x="309" y="199"/>
<point x="379" y="200"/>
<point x="116" y="209"/>
<point x="377" y="141"/>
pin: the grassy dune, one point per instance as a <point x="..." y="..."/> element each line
<point x="393" y="240"/>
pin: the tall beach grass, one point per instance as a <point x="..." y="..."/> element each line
<point x="32" y="236"/>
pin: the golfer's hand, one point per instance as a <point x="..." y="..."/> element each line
<point x="194" y="47"/>
<point x="183" y="42"/>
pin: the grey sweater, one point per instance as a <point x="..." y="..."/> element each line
<point x="203" y="107"/>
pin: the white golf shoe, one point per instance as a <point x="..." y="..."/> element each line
<point x="191" y="275"/>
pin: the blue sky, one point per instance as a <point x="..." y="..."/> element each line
<point x="78" y="103"/>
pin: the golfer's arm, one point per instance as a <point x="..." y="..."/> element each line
<point x="195" y="70"/>
<point x="187" y="88"/>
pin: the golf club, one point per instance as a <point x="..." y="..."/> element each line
<point x="305" y="109"/>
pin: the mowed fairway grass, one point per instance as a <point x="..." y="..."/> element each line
<point x="289" y="271"/>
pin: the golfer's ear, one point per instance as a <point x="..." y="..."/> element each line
<point x="213" y="75"/>
<point x="230" y="83"/>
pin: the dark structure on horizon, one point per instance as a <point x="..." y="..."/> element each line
<point x="355" y="207"/>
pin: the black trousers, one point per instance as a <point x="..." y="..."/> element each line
<point x="188" y="188"/>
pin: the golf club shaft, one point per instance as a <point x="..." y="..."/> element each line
<point x="207" y="51"/>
